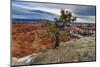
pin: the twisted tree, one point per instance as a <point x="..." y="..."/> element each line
<point x="66" y="16"/>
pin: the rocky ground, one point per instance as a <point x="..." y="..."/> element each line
<point x="75" y="50"/>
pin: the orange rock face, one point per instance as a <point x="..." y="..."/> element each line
<point x="26" y="40"/>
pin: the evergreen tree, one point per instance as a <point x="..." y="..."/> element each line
<point x="65" y="17"/>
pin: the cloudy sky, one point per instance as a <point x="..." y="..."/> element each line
<point x="31" y="10"/>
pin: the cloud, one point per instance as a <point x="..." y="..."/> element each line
<point x="83" y="12"/>
<point x="89" y="19"/>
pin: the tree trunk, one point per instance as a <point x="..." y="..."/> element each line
<point x="63" y="24"/>
<point x="57" y="39"/>
<point x="57" y="36"/>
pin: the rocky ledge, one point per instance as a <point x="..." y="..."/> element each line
<point x="75" y="50"/>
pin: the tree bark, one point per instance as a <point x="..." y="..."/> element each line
<point x="57" y="35"/>
<point x="57" y="39"/>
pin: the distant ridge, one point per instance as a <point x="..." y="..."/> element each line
<point x="44" y="20"/>
<point x="31" y="20"/>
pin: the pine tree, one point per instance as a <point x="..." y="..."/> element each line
<point x="65" y="17"/>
